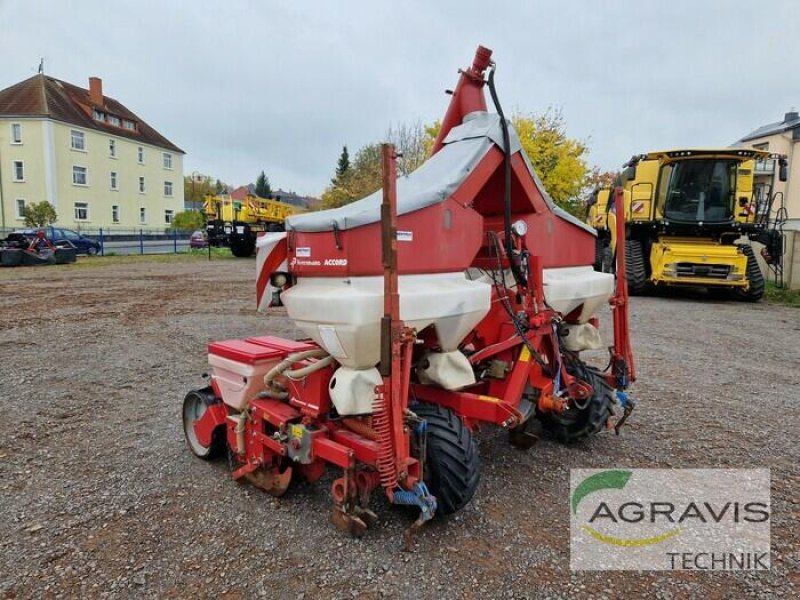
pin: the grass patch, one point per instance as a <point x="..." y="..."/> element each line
<point x="782" y="295"/>
<point x="113" y="258"/>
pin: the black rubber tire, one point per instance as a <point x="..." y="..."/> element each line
<point x="65" y="255"/>
<point x="31" y="258"/>
<point x="243" y="246"/>
<point x="635" y="267"/>
<point x="10" y="257"/>
<point x="607" y="260"/>
<point x="576" y="424"/>
<point x="755" y="278"/>
<point x="599" y="244"/>
<point x="452" y="466"/>
<point x="192" y="409"/>
<point x="91" y="251"/>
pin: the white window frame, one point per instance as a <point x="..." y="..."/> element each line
<point x="75" y="134"/>
<point x="16" y="127"/>
<point x="115" y="213"/>
<point x="170" y="193"/>
<point x="168" y="216"/>
<point x="85" y="176"/>
<point x="19" y="205"/>
<point x="99" y="115"/>
<point x="128" y="124"/>
<point x="113" y="181"/>
<point x="113" y="120"/>
<point x="75" y="209"/>
<point x="14" y="177"/>
<point x="142" y="215"/>
<point x="112" y="148"/>
<point x="140" y="155"/>
<point x="167" y="160"/>
<point x="142" y="185"/>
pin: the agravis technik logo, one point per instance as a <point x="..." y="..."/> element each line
<point x="707" y="519"/>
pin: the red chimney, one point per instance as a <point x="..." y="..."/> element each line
<point x="96" y="91"/>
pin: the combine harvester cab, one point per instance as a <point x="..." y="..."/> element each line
<point x="455" y="296"/>
<point x="691" y="216"/>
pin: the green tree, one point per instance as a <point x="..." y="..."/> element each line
<point x="188" y="220"/>
<point x="219" y="187"/>
<point x="363" y="177"/>
<point x="195" y="189"/>
<point x="39" y="214"/>
<point x="559" y="161"/>
<point x="343" y="166"/>
<point x="263" y="189"/>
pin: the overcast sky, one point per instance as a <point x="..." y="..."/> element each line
<point x="281" y="86"/>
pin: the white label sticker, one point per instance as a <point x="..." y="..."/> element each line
<point x="405" y="236"/>
<point x="304" y="252"/>
<point x="240" y="229"/>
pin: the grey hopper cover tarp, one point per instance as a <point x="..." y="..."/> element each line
<point x="433" y="182"/>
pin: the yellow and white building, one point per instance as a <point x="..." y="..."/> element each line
<point x="782" y="137"/>
<point x="98" y="163"/>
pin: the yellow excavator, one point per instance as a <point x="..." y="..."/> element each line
<point x="691" y="215"/>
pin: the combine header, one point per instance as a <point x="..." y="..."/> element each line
<point x="456" y="297"/>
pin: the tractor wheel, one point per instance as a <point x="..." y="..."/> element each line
<point x="581" y="422"/>
<point x="755" y="278"/>
<point x="194" y="406"/>
<point x="635" y="267"/>
<point x="243" y="247"/>
<point x="607" y="260"/>
<point x="599" y="244"/>
<point x="451" y="465"/>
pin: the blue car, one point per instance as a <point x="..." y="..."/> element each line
<point x="83" y="244"/>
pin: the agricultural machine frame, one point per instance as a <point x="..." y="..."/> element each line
<point x="289" y="427"/>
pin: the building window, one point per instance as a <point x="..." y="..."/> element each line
<point x="79" y="175"/>
<point x="20" y="208"/>
<point x="112" y="148"/>
<point x="129" y="124"/>
<point x="168" y="217"/>
<point x="141" y="185"/>
<point x="16" y="133"/>
<point x="167" y="160"/>
<point x="77" y="140"/>
<point x="113" y="120"/>
<point x="114" y="180"/>
<point x="168" y="188"/>
<point x="140" y="154"/>
<point x="19" y="170"/>
<point x="81" y="211"/>
<point x="115" y="214"/>
<point x="98" y="115"/>
<point x="142" y="215"/>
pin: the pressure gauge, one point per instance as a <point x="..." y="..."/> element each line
<point x="519" y="228"/>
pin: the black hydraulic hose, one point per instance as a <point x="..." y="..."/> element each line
<point x="509" y="244"/>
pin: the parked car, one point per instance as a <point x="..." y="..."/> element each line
<point x="83" y="244"/>
<point x="198" y="239"/>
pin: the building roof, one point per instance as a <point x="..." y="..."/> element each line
<point x="790" y="121"/>
<point x="240" y="193"/>
<point x="48" y="97"/>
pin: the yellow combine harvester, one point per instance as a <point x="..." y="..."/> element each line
<point x="237" y="223"/>
<point x="687" y="212"/>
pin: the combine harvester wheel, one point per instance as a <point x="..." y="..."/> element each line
<point x="755" y="278"/>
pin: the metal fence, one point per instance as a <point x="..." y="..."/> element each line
<point x="120" y="241"/>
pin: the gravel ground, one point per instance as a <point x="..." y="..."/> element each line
<point x="99" y="497"/>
